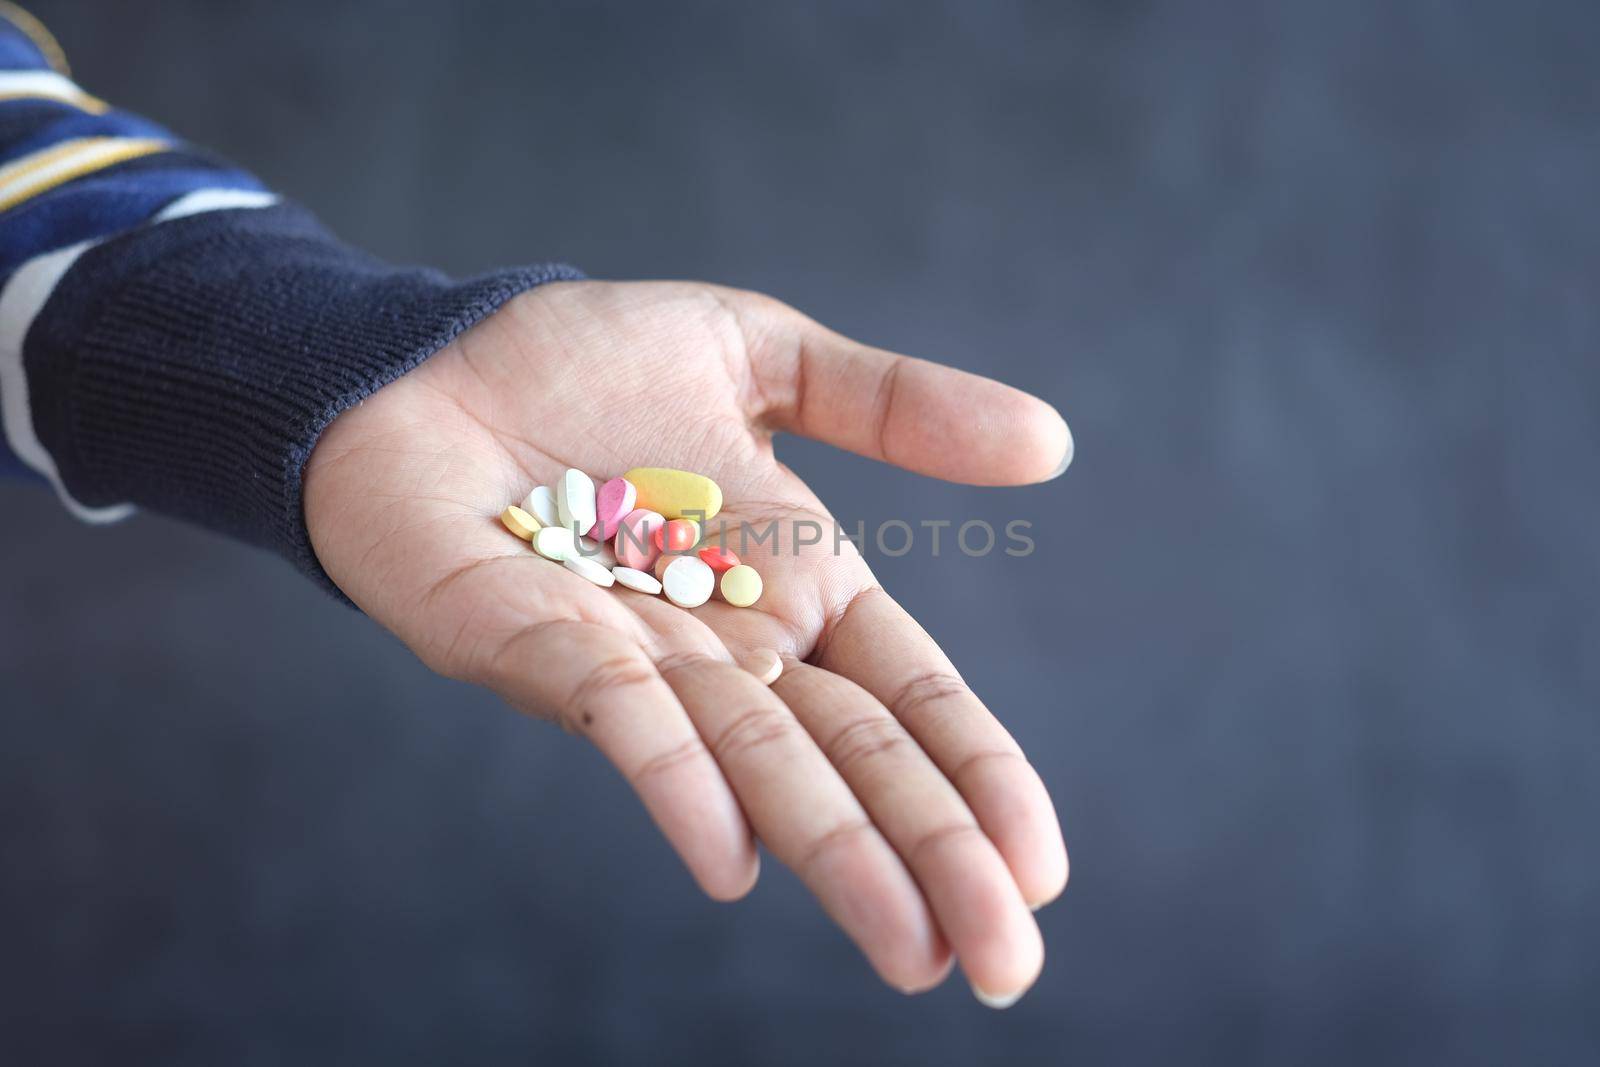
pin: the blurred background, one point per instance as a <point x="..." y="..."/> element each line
<point x="1309" y="654"/>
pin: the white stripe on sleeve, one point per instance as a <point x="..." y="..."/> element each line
<point x="25" y="295"/>
<point x="46" y="85"/>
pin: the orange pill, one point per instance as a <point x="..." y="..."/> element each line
<point x="679" y="535"/>
<point x="718" y="558"/>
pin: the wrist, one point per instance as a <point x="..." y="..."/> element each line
<point x="191" y="367"/>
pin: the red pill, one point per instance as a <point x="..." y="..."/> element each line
<point x="718" y="558"/>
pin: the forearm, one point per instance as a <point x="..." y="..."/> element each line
<point x="173" y="335"/>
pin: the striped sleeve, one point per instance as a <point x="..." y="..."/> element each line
<point x="173" y="335"/>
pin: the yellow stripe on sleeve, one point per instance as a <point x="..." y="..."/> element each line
<point x="36" y="32"/>
<point x="39" y="172"/>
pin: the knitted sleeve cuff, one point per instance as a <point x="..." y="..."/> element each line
<point x="189" y="367"/>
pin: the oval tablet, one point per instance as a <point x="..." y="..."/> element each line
<point x="718" y="558"/>
<point x="598" y="551"/>
<point x="764" y="663"/>
<point x="688" y="582"/>
<point x="554" y="542"/>
<point x="612" y="502"/>
<point x="587" y="568"/>
<point x="638" y="581"/>
<point x="741" y="586"/>
<point x="676" y="494"/>
<point x="520" y="522"/>
<point x="635" y="544"/>
<point x="575" y="501"/>
<point x="541" y="504"/>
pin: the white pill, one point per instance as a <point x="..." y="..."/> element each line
<point x="764" y="663"/>
<point x="554" y="542"/>
<point x="585" y="567"/>
<point x="688" y="581"/>
<point x="638" y="581"/>
<point x="541" y="504"/>
<point x="598" y="551"/>
<point x="575" y="501"/>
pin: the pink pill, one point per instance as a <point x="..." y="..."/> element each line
<point x="635" y="545"/>
<point x="612" y="503"/>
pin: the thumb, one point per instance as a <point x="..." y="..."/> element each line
<point x="922" y="416"/>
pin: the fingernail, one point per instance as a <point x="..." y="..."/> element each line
<point x="1036" y="907"/>
<point x="764" y="663"/>
<point x="998" y="1003"/>
<point x="1066" y="457"/>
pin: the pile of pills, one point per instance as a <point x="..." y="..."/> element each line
<point x="641" y="531"/>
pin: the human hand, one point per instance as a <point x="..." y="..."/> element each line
<point x="869" y="767"/>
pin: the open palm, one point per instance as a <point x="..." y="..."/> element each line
<point x="868" y="767"/>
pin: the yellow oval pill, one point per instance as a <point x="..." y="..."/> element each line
<point x="741" y="585"/>
<point x="520" y="522"/>
<point x="675" y="494"/>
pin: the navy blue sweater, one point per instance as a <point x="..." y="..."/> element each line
<point x="172" y="335"/>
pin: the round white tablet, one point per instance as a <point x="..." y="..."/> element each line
<point x="585" y="567"/>
<point x="638" y="581"/>
<point x="541" y="504"/>
<point x="688" y="582"/>
<point x="575" y="501"/>
<point x="553" y="542"/>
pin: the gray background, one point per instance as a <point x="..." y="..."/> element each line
<point x="1308" y="655"/>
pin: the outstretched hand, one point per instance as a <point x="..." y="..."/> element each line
<point x="869" y="767"/>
